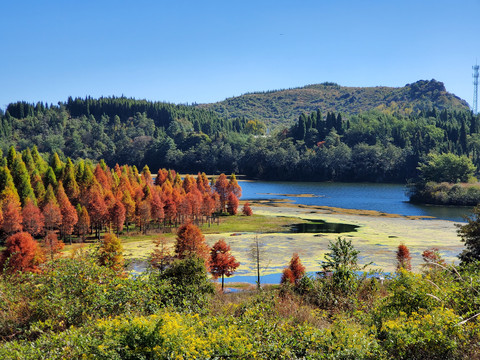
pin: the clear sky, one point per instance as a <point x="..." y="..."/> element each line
<point x="205" y="51"/>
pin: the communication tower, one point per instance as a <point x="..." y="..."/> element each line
<point x="475" y="88"/>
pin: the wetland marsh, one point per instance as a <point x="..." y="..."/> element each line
<point x="376" y="234"/>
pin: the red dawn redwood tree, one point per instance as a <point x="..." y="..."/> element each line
<point x="222" y="263"/>
<point x="147" y="175"/>
<point x="189" y="183"/>
<point x="170" y="211"/>
<point x="190" y="241"/>
<point x="162" y="176"/>
<point x="129" y="205"/>
<point x="97" y="209"/>
<point x="403" y="258"/>
<point x="203" y="184"/>
<point x="294" y="272"/>
<point x="247" y="210"/>
<point x="69" y="214"/>
<point x="144" y="215"/>
<point x="52" y="216"/>
<point x="12" y="216"/>
<point x="117" y="216"/>
<point x="221" y="187"/>
<point x="157" y="208"/>
<point x="208" y="205"/>
<point x="287" y="277"/>
<point x="232" y="204"/>
<point x="21" y="253"/>
<point x="101" y="177"/>
<point x="432" y="256"/>
<point x="32" y="219"/>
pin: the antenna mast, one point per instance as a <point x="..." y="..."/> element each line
<point x="475" y="88"/>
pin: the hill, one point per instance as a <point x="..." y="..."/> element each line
<point x="381" y="145"/>
<point x="285" y="106"/>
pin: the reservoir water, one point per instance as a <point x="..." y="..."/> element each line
<point x="388" y="198"/>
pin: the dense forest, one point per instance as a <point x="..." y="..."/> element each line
<point x="373" y="146"/>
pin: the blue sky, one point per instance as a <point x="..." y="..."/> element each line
<point x="206" y="51"/>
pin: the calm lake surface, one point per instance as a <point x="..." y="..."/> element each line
<point x="388" y="198"/>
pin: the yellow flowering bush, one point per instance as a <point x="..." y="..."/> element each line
<point x="421" y="335"/>
<point x="171" y="335"/>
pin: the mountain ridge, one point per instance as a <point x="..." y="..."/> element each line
<point x="282" y="107"/>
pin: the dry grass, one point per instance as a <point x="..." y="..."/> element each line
<point x="288" y="308"/>
<point x="293" y="309"/>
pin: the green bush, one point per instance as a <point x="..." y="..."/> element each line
<point x="185" y="283"/>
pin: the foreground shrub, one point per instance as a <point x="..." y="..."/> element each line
<point x="424" y="335"/>
<point x="185" y="283"/>
<point x="408" y="293"/>
<point x="72" y="292"/>
<point x="170" y="335"/>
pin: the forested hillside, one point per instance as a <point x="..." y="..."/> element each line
<point x="282" y="107"/>
<point x="116" y="129"/>
<point x="378" y="145"/>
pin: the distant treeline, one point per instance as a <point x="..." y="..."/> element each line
<point x="373" y="146"/>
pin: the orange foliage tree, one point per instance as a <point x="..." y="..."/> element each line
<point x="222" y="263"/>
<point x="162" y="175"/>
<point x="117" y="216"/>
<point x="294" y="272"/>
<point x="432" y="257"/>
<point x="247" y="210"/>
<point x="170" y="211"/>
<point x="403" y="258"/>
<point x="144" y="215"/>
<point x="97" y="209"/>
<point x="232" y="204"/>
<point x="234" y="187"/>
<point x="12" y="216"/>
<point x="21" y="253"/>
<point x="157" y="206"/>
<point x="190" y="241"/>
<point x="52" y="216"/>
<point x="69" y="214"/>
<point x="129" y="205"/>
<point x="221" y="186"/>
<point x="32" y="219"/>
